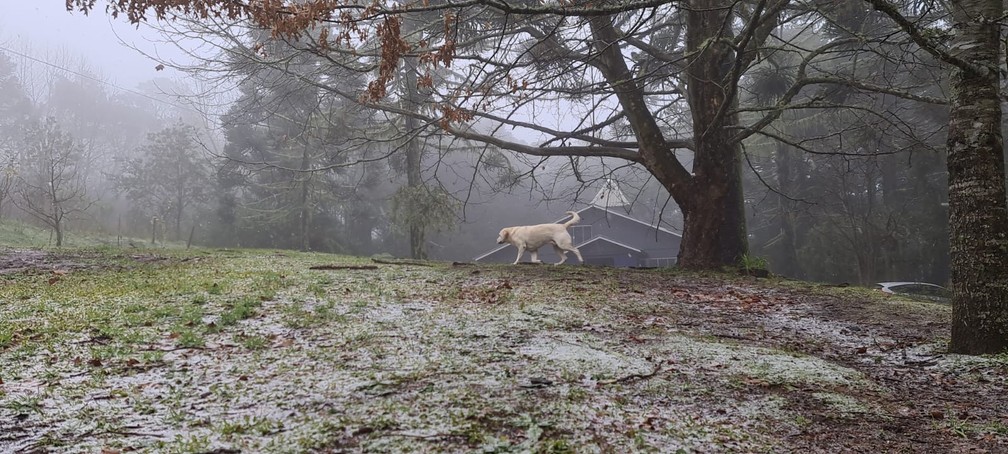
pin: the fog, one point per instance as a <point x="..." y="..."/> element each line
<point x="123" y="55"/>
<point x="194" y="133"/>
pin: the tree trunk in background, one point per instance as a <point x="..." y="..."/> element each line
<point x="57" y="218"/>
<point x="978" y="209"/>
<point x="413" y="178"/>
<point x="787" y="264"/>
<point x="178" y="218"/>
<point x="305" y="214"/>
<point x="714" y="226"/>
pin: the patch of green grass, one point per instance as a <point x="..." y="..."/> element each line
<point x="25" y="404"/>
<point x="215" y="288"/>
<point x="190" y="339"/>
<point x="185" y="444"/>
<point x="6" y="335"/>
<point x="237" y="310"/>
<point x="249" y="425"/>
<point x="751" y="262"/>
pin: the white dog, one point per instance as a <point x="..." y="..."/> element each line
<point x="532" y="237"/>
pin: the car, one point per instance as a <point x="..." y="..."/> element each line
<point x="924" y="290"/>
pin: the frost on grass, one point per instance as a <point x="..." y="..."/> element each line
<point x="777" y="367"/>
<point x="572" y="354"/>
<point x="401" y="359"/>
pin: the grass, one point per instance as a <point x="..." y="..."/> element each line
<point x="21" y="235"/>
<point x="202" y="350"/>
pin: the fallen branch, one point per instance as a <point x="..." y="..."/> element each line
<point x="655" y="371"/>
<point x="430" y="436"/>
<point x="172" y="349"/>
<point x="343" y="267"/>
<point x="130" y="433"/>
<point x="401" y="262"/>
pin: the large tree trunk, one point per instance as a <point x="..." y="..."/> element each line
<point x="978" y="209"/>
<point x="711" y="199"/>
<point x="714" y="226"/>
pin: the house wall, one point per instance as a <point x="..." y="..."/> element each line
<point x="606" y="253"/>
<point x="654" y="243"/>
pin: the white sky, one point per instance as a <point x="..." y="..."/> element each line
<point x="45" y="24"/>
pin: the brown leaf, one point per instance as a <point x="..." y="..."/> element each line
<point x="95" y="362"/>
<point x="54" y="280"/>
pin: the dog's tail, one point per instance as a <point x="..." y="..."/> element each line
<point x="574" y="219"/>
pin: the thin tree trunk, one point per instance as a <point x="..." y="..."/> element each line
<point x="413" y="177"/>
<point x="178" y="220"/>
<point x="56" y="209"/>
<point x="788" y="256"/>
<point x="305" y="209"/>
<point x="192" y="231"/>
<point x="978" y="209"/>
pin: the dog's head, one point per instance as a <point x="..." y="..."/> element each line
<point x="503" y="236"/>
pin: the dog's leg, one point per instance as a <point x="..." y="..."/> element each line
<point x="535" y="256"/>
<point x="562" y="253"/>
<point x="521" y="250"/>
<point x="570" y="248"/>
<point x="577" y="253"/>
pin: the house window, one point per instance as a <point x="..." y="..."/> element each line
<point x="580" y="233"/>
<point x="661" y="262"/>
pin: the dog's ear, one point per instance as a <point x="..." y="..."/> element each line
<point x="505" y="233"/>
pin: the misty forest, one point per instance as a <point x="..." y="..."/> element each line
<point x="783" y="227"/>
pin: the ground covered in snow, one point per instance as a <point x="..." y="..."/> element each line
<point x="263" y="351"/>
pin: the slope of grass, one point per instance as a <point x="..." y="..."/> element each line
<point x="195" y="351"/>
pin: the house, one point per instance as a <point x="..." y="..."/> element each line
<point x="607" y="237"/>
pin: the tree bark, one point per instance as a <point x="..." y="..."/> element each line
<point x="413" y="177"/>
<point x="978" y="209"/>
<point x="714" y="226"/>
<point x="711" y="198"/>
<point x="305" y="215"/>
<point x="57" y="210"/>
<point x="787" y="245"/>
<point x="178" y="219"/>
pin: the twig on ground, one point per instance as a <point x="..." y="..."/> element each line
<point x="626" y="378"/>
<point x="401" y="262"/>
<point x="343" y="267"/>
<point x="172" y="349"/>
